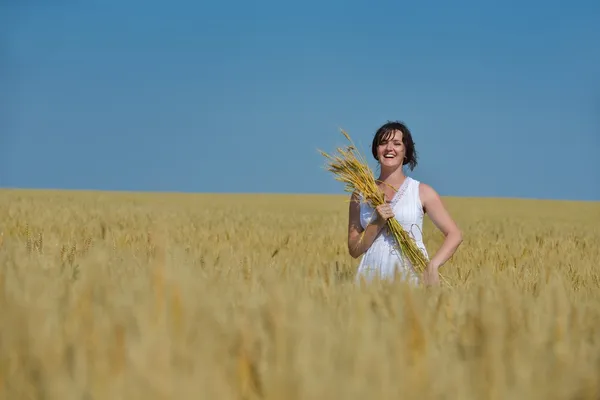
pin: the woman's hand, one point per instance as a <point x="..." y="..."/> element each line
<point x="385" y="212"/>
<point x="431" y="276"/>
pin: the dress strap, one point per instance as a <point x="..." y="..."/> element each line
<point x="401" y="190"/>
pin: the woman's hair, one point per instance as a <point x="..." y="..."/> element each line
<point x="386" y="131"/>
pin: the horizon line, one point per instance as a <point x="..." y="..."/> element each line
<point x="267" y="193"/>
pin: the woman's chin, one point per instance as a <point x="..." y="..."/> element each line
<point x="390" y="164"/>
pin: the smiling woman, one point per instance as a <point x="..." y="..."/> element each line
<point x="407" y="200"/>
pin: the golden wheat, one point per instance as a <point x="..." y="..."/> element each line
<point x="252" y="297"/>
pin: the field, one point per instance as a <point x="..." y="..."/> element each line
<point x="180" y="296"/>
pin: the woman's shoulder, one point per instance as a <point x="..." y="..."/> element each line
<point x="355" y="196"/>
<point x="426" y="191"/>
<point x="356" y="199"/>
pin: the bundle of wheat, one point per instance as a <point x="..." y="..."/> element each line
<point x="352" y="169"/>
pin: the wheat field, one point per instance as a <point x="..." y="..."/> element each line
<point x="181" y="296"/>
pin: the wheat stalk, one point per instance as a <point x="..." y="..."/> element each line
<point x="351" y="168"/>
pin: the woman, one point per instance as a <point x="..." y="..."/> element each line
<point x="407" y="200"/>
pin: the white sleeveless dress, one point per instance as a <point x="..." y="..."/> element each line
<point x="382" y="260"/>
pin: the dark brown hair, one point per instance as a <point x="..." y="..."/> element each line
<point x="384" y="133"/>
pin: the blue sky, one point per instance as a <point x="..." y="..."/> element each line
<point x="234" y="96"/>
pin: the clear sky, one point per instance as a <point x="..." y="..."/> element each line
<point x="503" y="98"/>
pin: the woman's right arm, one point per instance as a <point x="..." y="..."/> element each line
<point x="359" y="239"/>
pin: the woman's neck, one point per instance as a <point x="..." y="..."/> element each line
<point x="392" y="176"/>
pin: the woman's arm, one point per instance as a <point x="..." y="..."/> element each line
<point x="359" y="239"/>
<point x="433" y="206"/>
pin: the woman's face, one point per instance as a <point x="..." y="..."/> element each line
<point x="391" y="151"/>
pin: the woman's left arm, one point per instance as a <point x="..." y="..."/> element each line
<point x="434" y="207"/>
